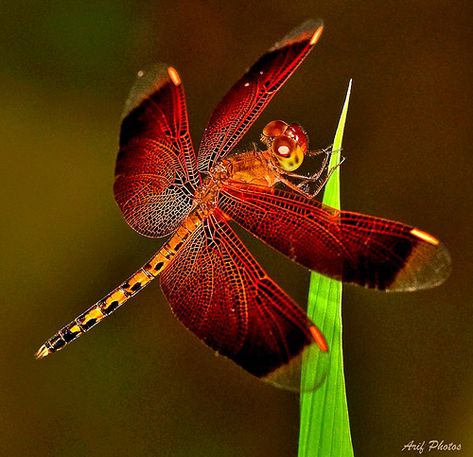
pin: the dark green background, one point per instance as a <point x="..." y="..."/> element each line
<point x="140" y="384"/>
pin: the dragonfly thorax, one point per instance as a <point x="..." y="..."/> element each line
<point x="206" y="196"/>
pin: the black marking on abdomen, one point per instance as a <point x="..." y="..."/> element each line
<point x="56" y="343"/>
<point x="111" y="307"/>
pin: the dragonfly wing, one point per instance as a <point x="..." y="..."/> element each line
<point x="156" y="171"/>
<point x="351" y="247"/>
<point x="244" y="102"/>
<point x="219" y="292"/>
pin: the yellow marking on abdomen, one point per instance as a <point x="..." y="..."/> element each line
<point x="75" y="329"/>
<point x="117" y="297"/>
<point x="95" y="313"/>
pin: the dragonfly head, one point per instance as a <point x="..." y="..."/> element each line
<point x="287" y="142"/>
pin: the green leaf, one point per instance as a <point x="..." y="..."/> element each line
<point x="325" y="427"/>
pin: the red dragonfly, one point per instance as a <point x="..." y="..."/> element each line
<point x="214" y="285"/>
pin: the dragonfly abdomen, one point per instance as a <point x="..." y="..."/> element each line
<point x="120" y="295"/>
<point x="97" y="312"/>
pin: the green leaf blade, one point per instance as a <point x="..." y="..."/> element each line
<point x="325" y="427"/>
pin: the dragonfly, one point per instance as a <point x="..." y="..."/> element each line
<point x="213" y="284"/>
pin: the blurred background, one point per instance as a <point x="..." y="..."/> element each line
<point x="140" y="384"/>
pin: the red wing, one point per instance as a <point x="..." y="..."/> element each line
<point x="351" y="247"/>
<point x="219" y="292"/>
<point x="244" y="102"/>
<point x="156" y="171"/>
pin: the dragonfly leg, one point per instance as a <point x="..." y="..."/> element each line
<point x="324" y="181"/>
<point x="317" y="152"/>
<point x="303" y="187"/>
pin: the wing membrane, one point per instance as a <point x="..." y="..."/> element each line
<point x="156" y="172"/>
<point x="219" y="292"/>
<point x="244" y="102"/>
<point x="365" y="250"/>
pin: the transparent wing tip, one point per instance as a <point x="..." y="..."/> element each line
<point x="309" y="30"/>
<point x="304" y="373"/>
<point x="428" y="266"/>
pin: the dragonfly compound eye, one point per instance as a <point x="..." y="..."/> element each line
<point x="288" y="153"/>
<point x="275" y="128"/>
<point x="299" y="135"/>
